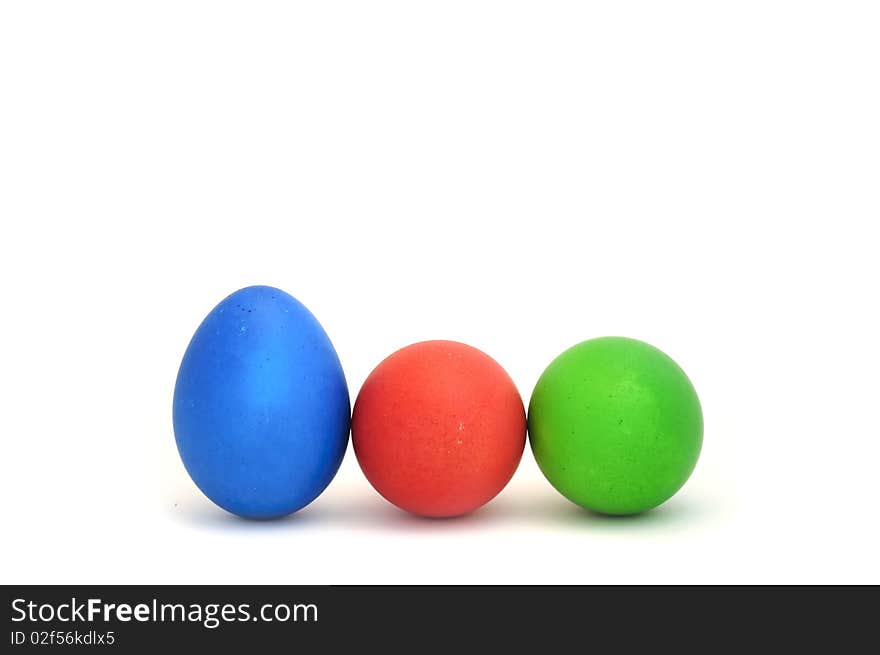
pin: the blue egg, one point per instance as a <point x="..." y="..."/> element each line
<point x="261" y="406"/>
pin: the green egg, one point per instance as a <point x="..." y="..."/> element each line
<point x="615" y="425"/>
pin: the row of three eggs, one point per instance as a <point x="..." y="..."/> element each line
<point x="262" y="418"/>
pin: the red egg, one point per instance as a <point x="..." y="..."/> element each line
<point x="439" y="428"/>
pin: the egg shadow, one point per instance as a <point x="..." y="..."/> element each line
<point x="371" y="512"/>
<point x="202" y="513"/>
<point x="363" y="513"/>
<point x="196" y="511"/>
<point x="540" y="510"/>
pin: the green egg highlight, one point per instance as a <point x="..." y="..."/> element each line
<point x="615" y="425"/>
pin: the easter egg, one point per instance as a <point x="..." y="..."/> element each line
<point x="615" y="425"/>
<point x="261" y="406"/>
<point x="438" y="428"/>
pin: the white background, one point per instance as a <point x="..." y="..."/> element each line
<point x="516" y="175"/>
